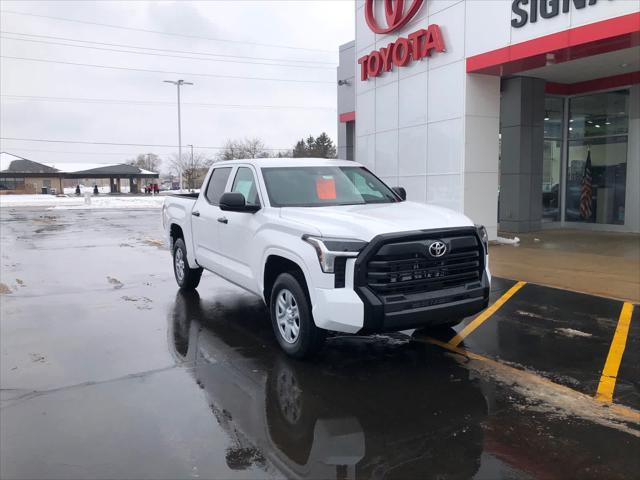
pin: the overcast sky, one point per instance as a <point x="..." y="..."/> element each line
<point x="312" y="30"/>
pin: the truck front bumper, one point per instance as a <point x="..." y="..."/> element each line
<point x="359" y="310"/>
<point x="423" y="309"/>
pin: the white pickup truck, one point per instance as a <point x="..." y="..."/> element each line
<point x="328" y="247"/>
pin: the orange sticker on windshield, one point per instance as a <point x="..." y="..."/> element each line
<point x="326" y="188"/>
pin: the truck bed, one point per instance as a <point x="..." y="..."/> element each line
<point x="192" y="195"/>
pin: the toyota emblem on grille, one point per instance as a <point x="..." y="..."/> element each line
<point x="437" y="249"/>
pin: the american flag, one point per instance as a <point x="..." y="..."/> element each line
<point x="586" y="194"/>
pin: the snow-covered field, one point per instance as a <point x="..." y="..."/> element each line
<point x="80" y="203"/>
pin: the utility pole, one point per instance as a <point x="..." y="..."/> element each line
<point x="192" y="169"/>
<point x="178" y="84"/>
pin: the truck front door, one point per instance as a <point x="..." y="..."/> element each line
<point x="237" y="252"/>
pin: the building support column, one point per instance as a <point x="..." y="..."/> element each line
<point x="522" y="129"/>
<point x="61" y="191"/>
<point x="118" y="186"/>
<point x="481" y="127"/>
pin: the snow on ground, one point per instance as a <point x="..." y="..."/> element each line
<point x="79" y="203"/>
<point x="184" y="190"/>
<point x="570" y="332"/>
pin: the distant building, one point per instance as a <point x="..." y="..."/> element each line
<point x="23" y="176"/>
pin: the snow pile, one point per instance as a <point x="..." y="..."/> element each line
<point x="78" y="203"/>
<point x="570" y="332"/>
<point x="507" y="241"/>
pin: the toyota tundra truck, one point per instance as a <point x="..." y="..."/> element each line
<point x="328" y="246"/>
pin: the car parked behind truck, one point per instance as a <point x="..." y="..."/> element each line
<point x="328" y="246"/>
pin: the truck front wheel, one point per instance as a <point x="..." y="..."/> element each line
<point x="187" y="278"/>
<point x="291" y="318"/>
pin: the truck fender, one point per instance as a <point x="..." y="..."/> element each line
<point x="295" y="258"/>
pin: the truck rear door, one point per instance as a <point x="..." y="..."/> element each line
<point x="206" y="218"/>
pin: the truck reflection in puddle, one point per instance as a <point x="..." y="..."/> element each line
<point x="378" y="407"/>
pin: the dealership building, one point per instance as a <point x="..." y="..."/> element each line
<point x="523" y="114"/>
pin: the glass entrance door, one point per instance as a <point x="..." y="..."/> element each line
<point x="597" y="158"/>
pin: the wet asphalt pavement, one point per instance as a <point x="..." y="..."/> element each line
<point x="107" y="371"/>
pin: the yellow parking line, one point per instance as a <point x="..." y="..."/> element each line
<point x="480" y="319"/>
<point x="616" y="350"/>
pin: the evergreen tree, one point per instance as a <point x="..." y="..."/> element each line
<point x="324" y="147"/>
<point x="321" y="147"/>
<point x="300" y="150"/>
<point x="311" y="146"/>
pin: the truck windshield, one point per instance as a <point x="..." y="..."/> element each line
<point x="324" y="186"/>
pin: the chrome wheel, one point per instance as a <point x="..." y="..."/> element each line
<point x="287" y="316"/>
<point x="179" y="264"/>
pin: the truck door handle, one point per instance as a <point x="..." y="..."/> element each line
<point x="223" y="220"/>
<point x="195" y="213"/>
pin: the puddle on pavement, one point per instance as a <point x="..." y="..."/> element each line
<point x="208" y="393"/>
<point x="389" y="406"/>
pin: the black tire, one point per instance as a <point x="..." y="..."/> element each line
<point x="300" y="337"/>
<point x="187" y="278"/>
<point x="291" y="411"/>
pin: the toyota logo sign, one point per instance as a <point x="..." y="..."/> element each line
<point x="394" y="13"/>
<point x="437" y="249"/>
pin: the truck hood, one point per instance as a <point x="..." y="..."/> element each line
<point x="363" y="222"/>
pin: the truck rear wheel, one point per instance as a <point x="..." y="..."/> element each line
<point x="187" y="278"/>
<point x="291" y="318"/>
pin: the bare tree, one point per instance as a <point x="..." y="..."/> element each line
<point x="246" y="148"/>
<point x="146" y="161"/>
<point x="232" y="150"/>
<point x="193" y="170"/>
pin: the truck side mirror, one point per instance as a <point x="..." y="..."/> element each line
<point x="401" y="192"/>
<point x="235" y="202"/>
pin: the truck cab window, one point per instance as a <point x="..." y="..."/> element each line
<point x="245" y="184"/>
<point x="216" y="185"/>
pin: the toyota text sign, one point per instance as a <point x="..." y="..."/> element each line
<point x="415" y="46"/>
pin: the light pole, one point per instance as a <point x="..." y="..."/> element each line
<point x="178" y="84"/>
<point x="192" y="169"/>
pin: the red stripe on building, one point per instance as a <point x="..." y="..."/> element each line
<point x="347" y="117"/>
<point x="587" y="40"/>
<point x="593" y="85"/>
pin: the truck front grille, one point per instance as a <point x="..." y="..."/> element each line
<point x="407" y="267"/>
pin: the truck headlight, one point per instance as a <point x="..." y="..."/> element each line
<point x="484" y="237"/>
<point x="328" y="249"/>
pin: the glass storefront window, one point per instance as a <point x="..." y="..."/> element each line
<point x="552" y="156"/>
<point x="597" y="158"/>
